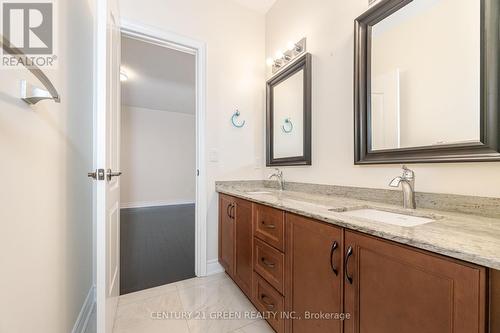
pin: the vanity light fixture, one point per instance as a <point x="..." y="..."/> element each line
<point x="282" y="59"/>
<point x="123" y="76"/>
<point x="294" y="47"/>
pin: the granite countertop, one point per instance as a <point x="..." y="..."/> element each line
<point x="467" y="237"/>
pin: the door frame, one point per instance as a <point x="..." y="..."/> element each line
<point x="180" y="43"/>
<point x="198" y="49"/>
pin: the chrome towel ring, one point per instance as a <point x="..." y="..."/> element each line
<point x="233" y="120"/>
<point x="288" y="126"/>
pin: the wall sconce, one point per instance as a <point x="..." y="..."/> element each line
<point x="282" y="59"/>
<point x="295" y="46"/>
<point x="123" y="76"/>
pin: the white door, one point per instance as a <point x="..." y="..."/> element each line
<point x="107" y="145"/>
<point x="385" y="111"/>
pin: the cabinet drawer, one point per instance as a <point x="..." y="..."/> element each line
<point x="269" y="302"/>
<point x="269" y="226"/>
<point x="269" y="263"/>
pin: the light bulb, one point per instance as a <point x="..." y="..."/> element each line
<point x="270" y="61"/>
<point x="123" y="76"/>
<point x="279" y="54"/>
<point x="291" y="46"/>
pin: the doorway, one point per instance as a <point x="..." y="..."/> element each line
<point x="162" y="208"/>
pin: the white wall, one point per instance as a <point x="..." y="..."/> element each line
<point x="234" y="37"/>
<point x="158" y="157"/>
<point x="45" y="195"/>
<point x="328" y="26"/>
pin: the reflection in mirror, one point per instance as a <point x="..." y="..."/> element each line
<point x="288" y="111"/>
<point x="426" y="74"/>
<point x="288" y="106"/>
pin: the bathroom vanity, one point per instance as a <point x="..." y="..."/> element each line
<point x="325" y="259"/>
<point x="317" y="258"/>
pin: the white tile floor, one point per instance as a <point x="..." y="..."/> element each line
<point x="147" y="311"/>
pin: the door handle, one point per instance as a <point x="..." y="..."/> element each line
<point x="110" y="174"/>
<point x="96" y="175"/>
<point x="267" y="301"/>
<point x="346" y="268"/>
<point x="267" y="262"/>
<point x="335" y="245"/>
<point x="227" y="211"/>
<point x="268" y="226"/>
<point x="231" y="211"/>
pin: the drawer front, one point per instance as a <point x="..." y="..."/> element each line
<point x="269" y="263"/>
<point x="269" y="226"/>
<point x="270" y="303"/>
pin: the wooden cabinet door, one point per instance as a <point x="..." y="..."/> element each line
<point x="314" y="274"/>
<point x="396" y="288"/>
<point x="226" y="233"/>
<point x="243" y="239"/>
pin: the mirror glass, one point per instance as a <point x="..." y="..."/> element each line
<point x="288" y="124"/>
<point x="426" y="75"/>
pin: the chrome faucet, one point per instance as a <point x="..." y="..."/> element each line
<point x="279" y="177"/>
<point x="407" y="181"/>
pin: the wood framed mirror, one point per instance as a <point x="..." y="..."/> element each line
<point x="426" y="82"/>
<point x="288" y="115"/>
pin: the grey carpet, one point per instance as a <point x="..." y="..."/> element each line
<point x="157" y="246"/>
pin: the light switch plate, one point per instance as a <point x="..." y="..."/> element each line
<point x="258" y="163"/>
<point x="213" y="155"/>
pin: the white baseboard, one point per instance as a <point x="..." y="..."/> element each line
<point x="213" y="267"/>
<point x="84" y="315"/>
<point x="143" y="204"/>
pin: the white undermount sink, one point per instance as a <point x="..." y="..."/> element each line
<point x="257" y="192"/>
<point x="381" y="216"/>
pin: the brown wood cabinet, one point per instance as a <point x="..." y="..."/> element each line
<point x="270" y="302"/>
<point x="270" y="264"/>
<point x="226" y="233"/>
<point x="314" y="271"/>
<point x="394" y="288"/>
<point x="317" y="272"/>
<point x="243" y="245"/>
<point x="269" y="226"/>
<point x="235" y="241"/>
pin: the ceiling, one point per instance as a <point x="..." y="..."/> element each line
<point x="259" y="5"/>
<point x="159" y="78"/>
